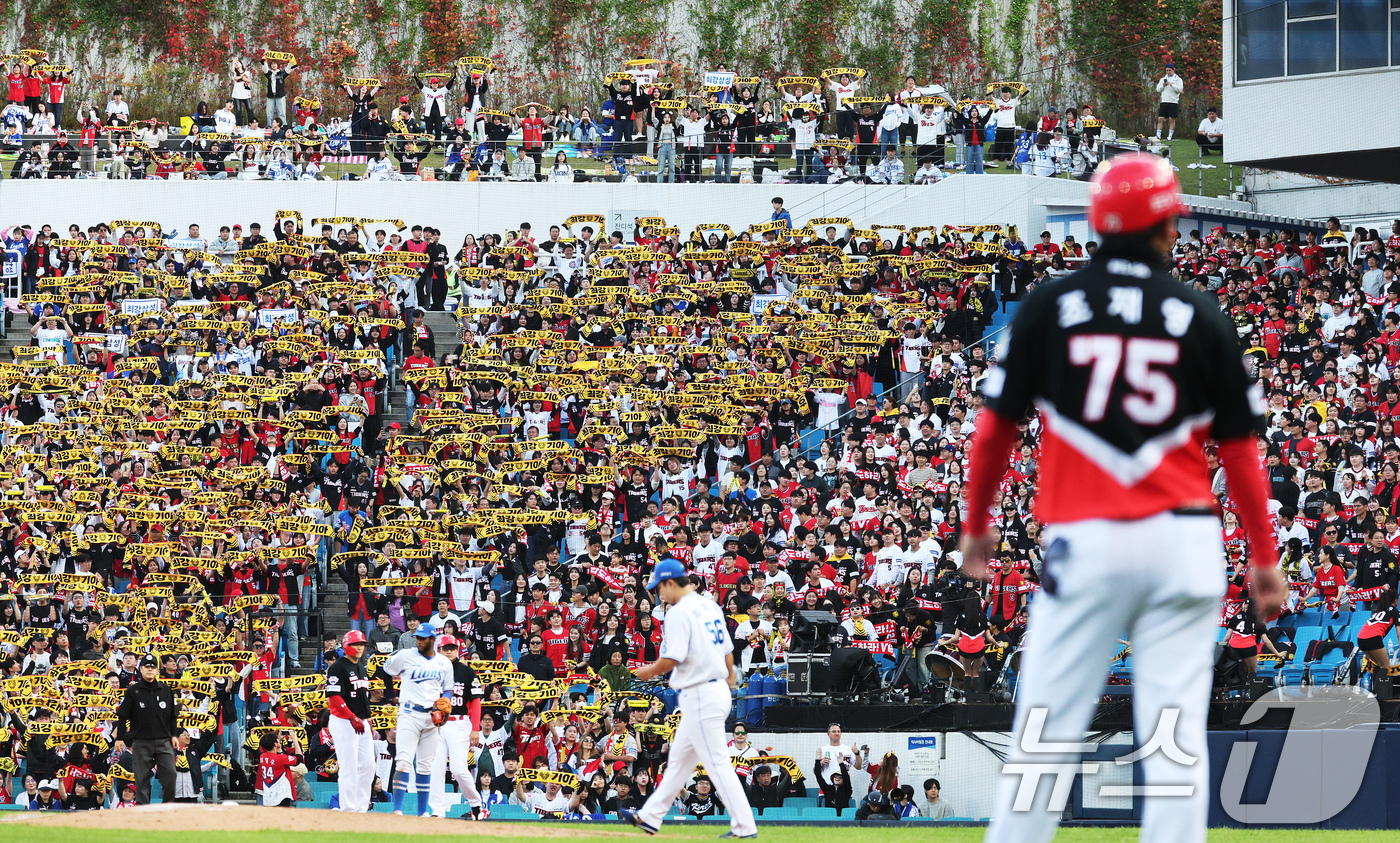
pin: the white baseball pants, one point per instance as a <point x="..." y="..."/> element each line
<point x="699" y="739"/>
<point x="454" y="748"/>
<point x="354" y="755"/>
<point x="415" y="735"/>
<point x="1156" y="582"/>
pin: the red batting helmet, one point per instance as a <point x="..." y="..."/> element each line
<point x="447" y="641"/>
<point x="354" y="636"/>
<point x="1133" y="192"/>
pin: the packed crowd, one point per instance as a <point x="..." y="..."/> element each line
<point x="835" y="127"/>
<point x="200" y="439"/>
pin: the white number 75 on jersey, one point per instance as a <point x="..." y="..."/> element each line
<point x="1154" y="397"/>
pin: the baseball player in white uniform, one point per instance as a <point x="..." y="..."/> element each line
<point x="347" y="697"/>
<point x="425" y="700"/>
<point x="698" y="654"/>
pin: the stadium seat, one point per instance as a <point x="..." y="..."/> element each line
<point x="1302" y="637"/>
<point x="1320" y="674"/>
<point x="1324" y="671"/>
<point x="1267" y="669"/>
<point x="819" y="813"/>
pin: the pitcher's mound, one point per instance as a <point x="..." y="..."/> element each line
<point x="234" y="817"/>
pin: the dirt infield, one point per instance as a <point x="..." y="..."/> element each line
<point x="233" y="817"/>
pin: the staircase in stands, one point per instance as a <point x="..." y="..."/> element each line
<point x="333" y="596"/>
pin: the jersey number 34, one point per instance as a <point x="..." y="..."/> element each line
<point x="1153" y="396"/>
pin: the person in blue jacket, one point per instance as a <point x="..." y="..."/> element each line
<point x="1023" y="148"/>
<point x="779" y="212"/>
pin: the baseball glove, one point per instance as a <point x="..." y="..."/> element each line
<point x="438" y="717"/>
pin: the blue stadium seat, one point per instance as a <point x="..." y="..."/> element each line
<point x="1302" y="637"/>
<point x="1321" y="674"/>
<point x="819" y="813"/>
<point x="1333" y="657"/>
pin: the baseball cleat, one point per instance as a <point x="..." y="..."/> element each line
<point x="629" y="816"/>
<point x="738" y="836"/>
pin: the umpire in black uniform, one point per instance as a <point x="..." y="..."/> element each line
<point x="146" y="719"/>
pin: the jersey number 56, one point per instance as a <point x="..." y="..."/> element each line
<point x="717" y="631"/>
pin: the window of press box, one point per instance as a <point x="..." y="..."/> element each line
<point x="1304" y="37"/>
<point x="1395" y="33"/>
<point x="1259" y="26"/>
<point x="1361" y="24"/>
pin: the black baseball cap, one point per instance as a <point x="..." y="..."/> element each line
<point x="148" y="660"/>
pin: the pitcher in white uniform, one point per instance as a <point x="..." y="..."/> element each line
<point x="425" y="700"/>
<point x="697" y="652"/>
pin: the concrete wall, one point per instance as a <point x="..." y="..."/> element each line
<point x="963" y="763"/>
<point x="1294" y="194"/>
<point x="1032" y="204"/>
<point x="459" y="208"/>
